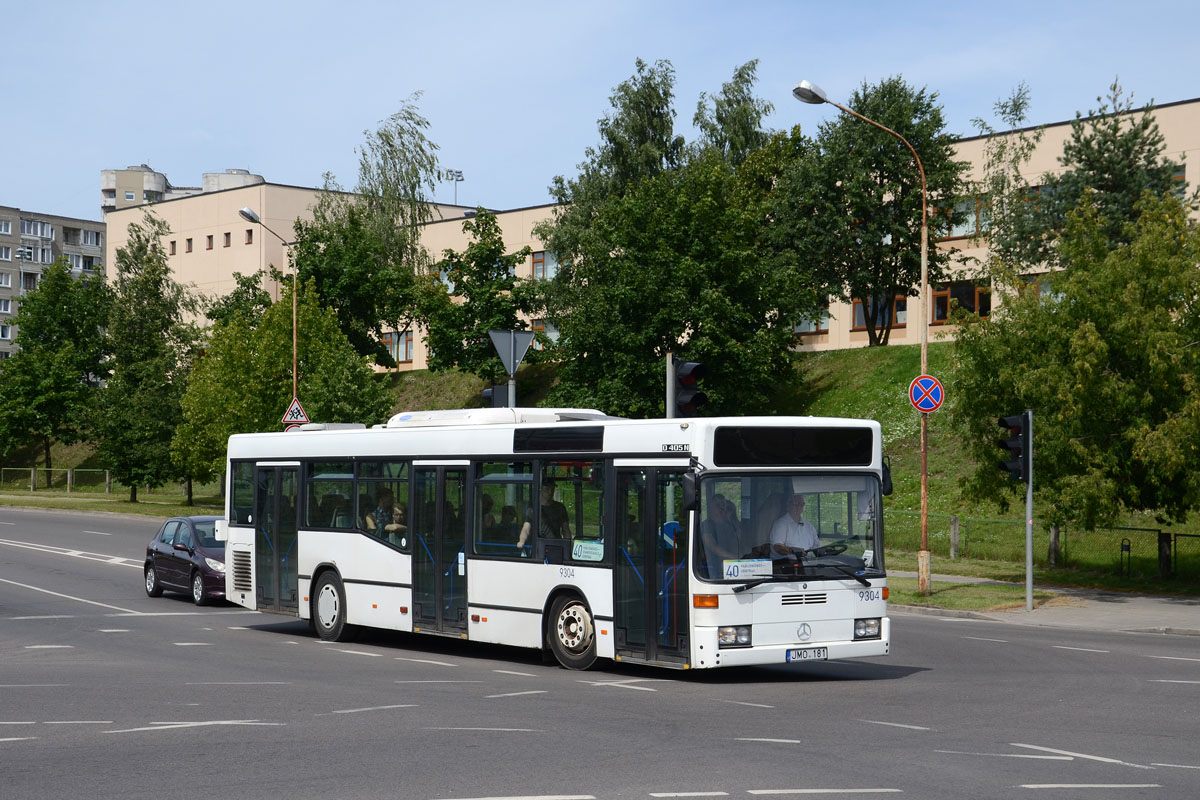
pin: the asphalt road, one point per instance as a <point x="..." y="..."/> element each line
<point x="105" y="692"/>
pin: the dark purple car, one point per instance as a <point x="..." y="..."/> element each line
<point x="186" y="557"/>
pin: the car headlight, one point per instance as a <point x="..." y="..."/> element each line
<point x="866" y="628"/>
<point x="734" y="636"/>
<point x="213" y="564"/>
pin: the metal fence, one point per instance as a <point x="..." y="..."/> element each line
<point x="87" y="481"/>
<point x="1128" y="552"/>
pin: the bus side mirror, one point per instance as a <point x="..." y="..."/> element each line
<point x="220" y="532"/>
<point x="691" y="494"/>
<point x="886" y="489"/>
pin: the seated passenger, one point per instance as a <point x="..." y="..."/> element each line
<point x="383" y="520"/>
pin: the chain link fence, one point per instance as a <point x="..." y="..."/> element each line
<point x="1127" y="552"/>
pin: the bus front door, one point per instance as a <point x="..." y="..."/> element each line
<point x="439" y="571"/>
<point x="275" y="568"/>
<point x="651" y="576"/>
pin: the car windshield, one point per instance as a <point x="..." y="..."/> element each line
<point x="765" y="527"/>
<point x="206" y="534"/>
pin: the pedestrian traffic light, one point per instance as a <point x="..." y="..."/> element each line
<point x="688" y="396"/>
<point x="1019" y="446"/>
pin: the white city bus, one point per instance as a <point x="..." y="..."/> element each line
<point x="566" y="530"/>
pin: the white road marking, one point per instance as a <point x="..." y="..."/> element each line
<point x="514" y="694"/>
<point x="18" y="739"/>
<point x="99" y="533"/>
<point x="69" y="597"/>
<point x="689" y="794"/>
<point x="1078" y="649"/>
<point x="742" y="703"/>
<point x="1161" y="680"/>
<point x="1091" y="785"/>
<point x="771" y="741"/>
<point x="64" y="551"/>
<point x="238" y="683"/>
<point x="492" y="730"/>
<point x="626" y="684"/>
<point x="78" y="722"/>
<point x="511" y="672"/>
<point x="49" y="647"/>
<point x="985" y="639"/>
<point x="18" y="722"/>
<point x="358" y="652"/>
<point x="532" y="797"/>
<point x="372" y="708"/>
<point x="1079" y="755"/>
<point x="163" y="726"/>
<point x="47" y="616"/>
<point x="438" y="681"/>
<point x="1007" y="755"/>
<point x="1177" y="766"/>
<point x="192" y="644"/>
<point x="1174" y="658"/>
<point x="8" y="523"/>
<point x="896" y="725"/>
<point x="427" y="661"/>
<point x="33" y="685"/>
<point x="824" y="791"/>
<point x="114" y="630"/>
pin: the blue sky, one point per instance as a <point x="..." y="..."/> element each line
<point x="512" y="90"/>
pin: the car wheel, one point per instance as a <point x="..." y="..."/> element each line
<point x="572" y="633"/>
<point x="153" y="588"/>
<point x="329" y="609"/>
<point x="198" y="589"/>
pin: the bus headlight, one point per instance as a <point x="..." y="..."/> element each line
<point x="866" y="628"/>
<point x="734" y="636"/>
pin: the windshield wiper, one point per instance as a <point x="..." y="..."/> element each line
<point x="845" y="571"/>
<point x="750" y="585"/>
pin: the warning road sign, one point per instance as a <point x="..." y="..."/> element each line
<point x="295" y="413"/>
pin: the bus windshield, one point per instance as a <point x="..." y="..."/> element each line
<point x="784" y="526"/>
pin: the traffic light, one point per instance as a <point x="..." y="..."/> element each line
<point x="688" y="396"/>
<point x="1019" y="445"/>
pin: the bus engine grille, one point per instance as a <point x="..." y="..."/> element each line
<point x="242" y="575"/>
<point x="804" y="599"/>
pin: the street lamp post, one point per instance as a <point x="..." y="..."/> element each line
<point x="807" y="92"/>
<point x="249" y="215"/>
<point x="455" y="176"/>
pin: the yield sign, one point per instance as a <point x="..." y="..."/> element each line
<point x="925" y="393"/>
<point x="295" y="414"/>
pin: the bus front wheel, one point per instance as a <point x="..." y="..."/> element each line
<point x="572" y="633"/>
<point x="329" y="609"/>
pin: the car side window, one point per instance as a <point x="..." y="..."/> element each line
<point x="185" y="536"/>
<point x="169" y="530"/>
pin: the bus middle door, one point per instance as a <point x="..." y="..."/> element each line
<point x="275" y="534"/>
<point x="650" y="590"/>
<point x="439" y="565"/>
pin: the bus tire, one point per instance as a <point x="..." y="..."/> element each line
<point x="329" y="609"/>
<point x="572" y="633"/>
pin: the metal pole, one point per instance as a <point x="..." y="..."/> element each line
<point x="512" y="351"/>
<point x="670" y="386"/>
<point x="1029" y="518"/>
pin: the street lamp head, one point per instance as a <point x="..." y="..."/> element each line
<point x="808" y="92"/>
<point x="248" y="214"/>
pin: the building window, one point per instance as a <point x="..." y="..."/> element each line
<point x="171" y="248"/>
<point x="129" y="195"/>
<point x="187" y="245"/>
<point x="5" y="280"/>
<point x="92" y="238"/>
<point x="32" y="227"/>
<point x="1041" y="283"/>
<point x="208" y="242"/>
<point x="6" y="332"/>
<point x="5" y="253"/>
<point x="545" y="266"/>
<point x="228" y="237"/>
<point x="548" y="329"/>
<point x="399" y="346"/>
<point x="895" y="316"/>
<point x="1179" y="182"/>
<point x="6" y="227"/>
<point x="818" y="323"/>
<point x="74" y="260"/>
<point x="966" y="295"/>
<point x="5" y="306"/>
<point x="249" y="235"/>
<point x="973" y="218"/>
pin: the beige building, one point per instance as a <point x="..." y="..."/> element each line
<point x="139" y="184"/>
<point x="209" y="241"/>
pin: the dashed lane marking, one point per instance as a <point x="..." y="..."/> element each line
<point x="895" y="724"/>
<point x="515" y="694"/>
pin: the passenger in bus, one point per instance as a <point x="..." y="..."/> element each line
<point x="792" y="532"/>
<point x="487" y="520"/>
<point x="383" y="521"/>
<point x="554" y="522"/>
<point x="720" y="535"/>
<point x="508" y="523"/>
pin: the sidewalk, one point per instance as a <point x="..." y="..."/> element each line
<point x="1084" y="608"/>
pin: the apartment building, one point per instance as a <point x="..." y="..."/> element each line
<point x="140" y="184"/>
<point x="30" y="242"/>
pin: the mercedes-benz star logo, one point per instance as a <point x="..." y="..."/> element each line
<point x="804" y="632"/>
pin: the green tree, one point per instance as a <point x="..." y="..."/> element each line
<point x="364" y="249"/>
<point x="732" y="121"/>
<point x="248" y="300"/>
<point x="151" y="351"/>
<point x="48" y="387"/>
<point x="243" y="382"/>
<point x="477" y="291"/>
<point x="854" y="212"/>
<point x="1108" y="362"/>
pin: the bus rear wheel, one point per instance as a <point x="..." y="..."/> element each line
<point x="572" y="633"/>
<point x="329" y="609"/>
